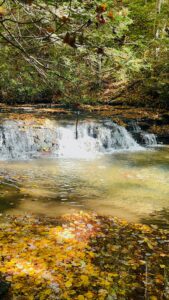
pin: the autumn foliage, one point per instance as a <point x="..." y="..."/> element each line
<point x="83" y="256"/>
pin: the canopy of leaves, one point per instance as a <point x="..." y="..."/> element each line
<point x="73" y="49"/>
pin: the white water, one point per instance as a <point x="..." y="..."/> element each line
<point x="147" y="139"/>
<point x="23" y="140"/>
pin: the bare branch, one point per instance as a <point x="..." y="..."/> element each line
<point x="21" y="23"/>
<point x="2" y="3"/>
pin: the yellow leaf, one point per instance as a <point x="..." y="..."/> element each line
<point x="31" y="297"/>
<point x="81" y="297"/>
<point x="47" y="292"/>
<point x="89" y="295"/>
<point x="2" y="11"/>
<point x="91" y="254"/>
<point x="162" y="266"/>
<point x="114" y="275"/>
<point x="68" y="284"/>
<point x="18" y="286"/>
<point x="85" y="279"/>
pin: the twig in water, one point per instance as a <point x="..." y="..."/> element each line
<point x="77" y="121"/>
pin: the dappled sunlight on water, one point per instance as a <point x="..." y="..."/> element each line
<point x="130" y="185"/>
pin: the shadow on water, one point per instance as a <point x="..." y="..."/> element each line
<point x="54" y="196"/>
<point x="9" y="197"/>
<point x="159" y="218"/>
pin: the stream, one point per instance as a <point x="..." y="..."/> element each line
<point x="50" y="166"/>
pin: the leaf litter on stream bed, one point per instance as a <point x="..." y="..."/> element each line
<point x="83" y="256"/>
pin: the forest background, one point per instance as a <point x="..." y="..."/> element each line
<point x="88" y="51"/>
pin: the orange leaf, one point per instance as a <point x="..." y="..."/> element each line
<point x="110" y="14"/>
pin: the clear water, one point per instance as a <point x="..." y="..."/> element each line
<point x="133" y="184"/>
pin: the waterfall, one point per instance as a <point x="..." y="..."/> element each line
<point x="149" y="139"/>
<point x="21" y="140"/>
<point x="141" y="136"/>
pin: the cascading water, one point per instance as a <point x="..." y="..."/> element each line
<point x="21" y="140"/>
<point x="141" y="136"/>
<point x="149" y="139"/>
<point x="94" y="138"/>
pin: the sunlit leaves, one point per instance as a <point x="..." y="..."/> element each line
<point x="83" y="257"/>
<point x="2" y="11"/>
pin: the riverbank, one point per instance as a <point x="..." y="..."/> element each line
<point x="83" y="256"/>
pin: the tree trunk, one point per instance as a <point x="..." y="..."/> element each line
<point x="159" y="4"/>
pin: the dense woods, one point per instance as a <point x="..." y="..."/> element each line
<point x="84" y="51"/>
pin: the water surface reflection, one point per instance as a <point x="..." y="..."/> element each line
<point x="130" y="185"/>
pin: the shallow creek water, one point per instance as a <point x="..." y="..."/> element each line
<point x="126" y="182"/>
